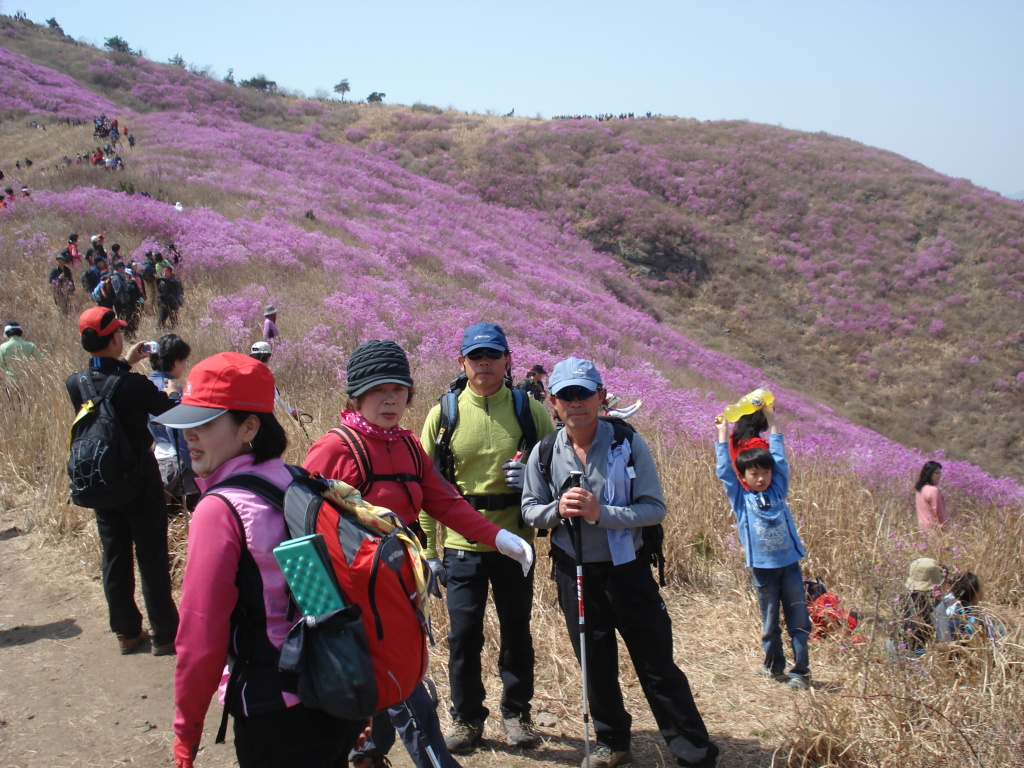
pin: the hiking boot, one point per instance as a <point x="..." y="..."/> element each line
<point x="518" y="732"/>
<point x="464" y="736"/>
<point x="779" y="677"/>
<point x="606" y="757"/>
<point x="132" y="644"/>
<point x="167" y="649"/>
<point x="799" y="682"/>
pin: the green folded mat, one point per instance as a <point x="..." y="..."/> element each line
<point x="306" y="565"/>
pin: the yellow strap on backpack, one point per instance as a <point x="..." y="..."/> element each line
<point x="84" y="411"/>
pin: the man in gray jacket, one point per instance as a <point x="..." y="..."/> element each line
<point x="619" y="493"/>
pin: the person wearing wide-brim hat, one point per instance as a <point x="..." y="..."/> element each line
<point x="380" y="387"/>
<point x="914" y="627"/>
<point x="270" y="331"/>
<point x="234" y="600"/>
<point x="138" y="522"/>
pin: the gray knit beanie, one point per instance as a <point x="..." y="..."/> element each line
<point x="376" y="362"/>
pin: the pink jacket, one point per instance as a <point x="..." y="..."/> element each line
<point x="209" y="593"/>
<point x="931" y="508"/>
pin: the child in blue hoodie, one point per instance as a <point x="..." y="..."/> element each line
<point x="772" y="545"/>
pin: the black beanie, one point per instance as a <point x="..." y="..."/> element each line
<point x="376" y="362"/>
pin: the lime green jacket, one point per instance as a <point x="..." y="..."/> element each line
<point x="485" y="437"/>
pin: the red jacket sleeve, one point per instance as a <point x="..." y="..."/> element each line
<point x="208" y="596"/>
<point x="443" y="503"/>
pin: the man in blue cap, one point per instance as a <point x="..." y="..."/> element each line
<point x="618" y="493"/>
<point x="480" y="435"/>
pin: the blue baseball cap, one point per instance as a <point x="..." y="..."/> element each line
<point x="574" y="372"/>
<point x="483" y="335"/>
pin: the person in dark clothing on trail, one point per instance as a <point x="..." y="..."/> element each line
<point x="170" y="296"/>
<point x="138" y="523"/>
<point x="96" y="249"/>
<point x="122" y="295"/>
<point x="533" y="384"/>
<point x="62" y="283"/>
<point x="94" y="274"/>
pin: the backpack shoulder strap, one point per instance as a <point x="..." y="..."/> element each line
<point x="524" y="415"/>
<point x="545" y="450"/>
<point x="416" y="453"/>
<point x="623" y="432"/>
<point x="87" y="391"/>
<point x="360" y="451"/>
<point x="248" y="481"/>
<point x="443" y="458"/>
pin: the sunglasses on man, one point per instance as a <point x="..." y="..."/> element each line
<point x="490" y="354"/>
<point x="568" y="394"/>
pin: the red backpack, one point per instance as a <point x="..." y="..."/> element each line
<point x="377" y="565"/>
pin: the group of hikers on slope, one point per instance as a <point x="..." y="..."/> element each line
<point x="479" y="522"/>
<point x="478" y="485"/>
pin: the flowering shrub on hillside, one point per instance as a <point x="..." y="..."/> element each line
<point x="396" y="255"/>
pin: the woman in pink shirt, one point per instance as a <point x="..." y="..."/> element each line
<point x="931" y="507"/>
<point x="233" y="599"/>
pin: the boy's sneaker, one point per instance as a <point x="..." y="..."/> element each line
<point x="779" y="677"/>
<point x="605" y="757"/>
<point x="464" y="736"/>
<point x="799" y="682"/>
<point x="518" y="732"/>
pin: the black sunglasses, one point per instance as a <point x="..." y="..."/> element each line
<point x="490" y="354"/>
<point x="574" y="393"/>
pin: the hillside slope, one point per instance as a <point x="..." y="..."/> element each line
<point x="867" y="281"/>
<point x="356" y="247"/>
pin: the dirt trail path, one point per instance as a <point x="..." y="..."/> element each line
<point x="68" y="699"/>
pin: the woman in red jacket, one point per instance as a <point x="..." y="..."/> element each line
<point x="369" y="451"/>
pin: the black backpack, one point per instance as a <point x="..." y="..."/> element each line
<point x="104" y="467"/>
<point x="444" y="459"/>
<point x="653" y="536"/>
<point x="89" y="281"/>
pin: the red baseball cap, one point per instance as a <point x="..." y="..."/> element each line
<point x="228" y="381"/>
<point x="102" y="320"/>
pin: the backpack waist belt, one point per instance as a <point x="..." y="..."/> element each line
<point x="493" y="502"/>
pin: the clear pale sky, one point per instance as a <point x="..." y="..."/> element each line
<point x="939" y="82"/>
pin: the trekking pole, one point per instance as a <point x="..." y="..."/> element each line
<point x="181" y="476"/>
<point x="576" y="530"/>
<point x="420" y="734"/>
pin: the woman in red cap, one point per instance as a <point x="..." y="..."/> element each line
<point x="234" y="602"/>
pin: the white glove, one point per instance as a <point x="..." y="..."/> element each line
<point x="440" y="575"/>
<point x="515" y="472"/>
<point x="512" y="546"/>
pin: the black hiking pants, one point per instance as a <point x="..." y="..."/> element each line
<point x="469" y="575"/>
<point x="137" y="532"/>
<point x="626" y="598"/>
